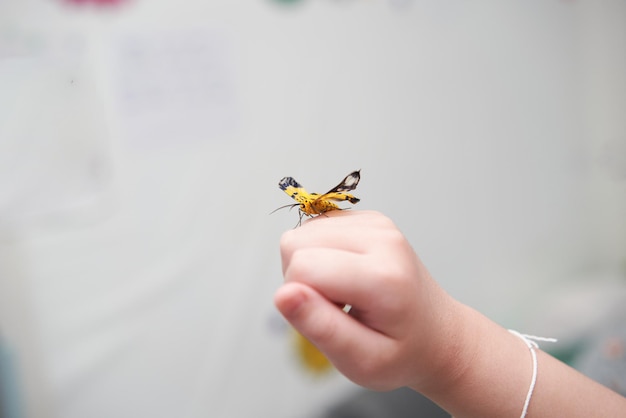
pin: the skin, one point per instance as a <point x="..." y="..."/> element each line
<point x="405" y="330"/>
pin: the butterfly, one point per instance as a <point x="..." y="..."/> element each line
<point x="313" y="204"/>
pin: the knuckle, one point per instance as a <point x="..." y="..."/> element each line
<point x="394" y="237"/>
<point x="375" y="368"/>
<point x="324" y="334"/>
<point x="297" y="267"/>
<point x="287" y="241"/>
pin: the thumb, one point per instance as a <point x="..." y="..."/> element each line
<point x="347" y="343"/>
<point x="309" y="312"/>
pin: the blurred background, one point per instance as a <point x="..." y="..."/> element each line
<point x="141" y="143"/>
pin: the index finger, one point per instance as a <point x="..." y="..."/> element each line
<point x="352" y="231"/>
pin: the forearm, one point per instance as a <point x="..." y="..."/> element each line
<point x="491" y="374"/>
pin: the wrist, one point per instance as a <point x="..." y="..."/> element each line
<point x="483" y="358"/>
<point x="455" y="350"/>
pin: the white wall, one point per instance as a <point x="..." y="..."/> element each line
<point x="141" y="146"/>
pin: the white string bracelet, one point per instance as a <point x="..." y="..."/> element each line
<point x="531" y="343"/>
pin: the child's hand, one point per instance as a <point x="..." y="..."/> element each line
<point x="404" y="330"/>
<point x="396" y="333"/>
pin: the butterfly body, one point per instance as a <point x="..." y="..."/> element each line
<point x="313" y="204"/>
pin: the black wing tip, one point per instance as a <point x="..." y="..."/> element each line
<point x="288" y="181"/>
<point x="355" y="178"/>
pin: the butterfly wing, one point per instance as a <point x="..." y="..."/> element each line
<point x="338" y="193"/>
<point x="290" y="186"/>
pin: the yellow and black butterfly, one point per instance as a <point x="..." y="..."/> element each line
<point x="313" y="204"/>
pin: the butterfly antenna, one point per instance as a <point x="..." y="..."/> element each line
<point x="286" y="206"/>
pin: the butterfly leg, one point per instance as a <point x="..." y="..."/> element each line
<point x="299" y="220"/>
